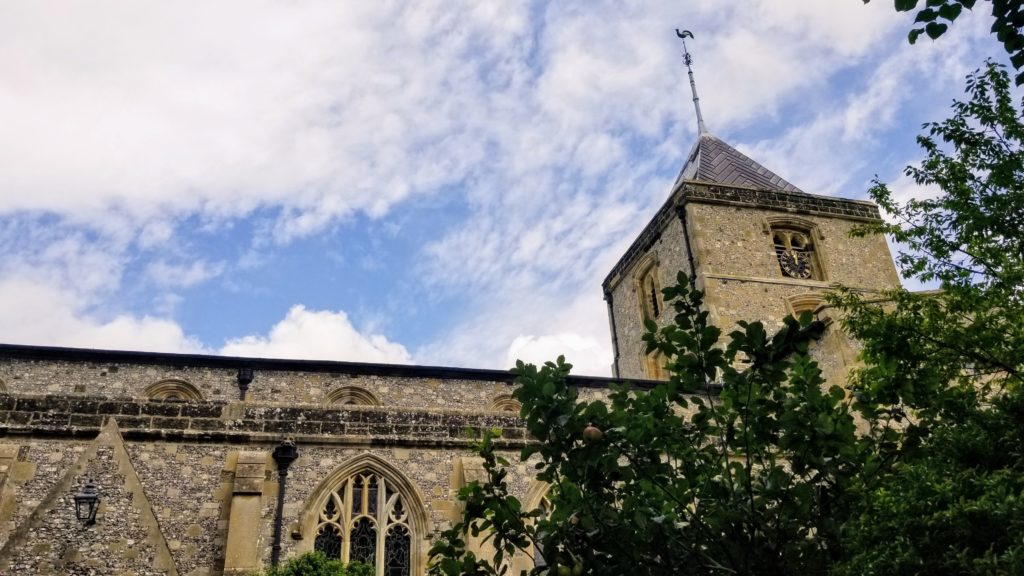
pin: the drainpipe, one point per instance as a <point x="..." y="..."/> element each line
<point x="681" y="212"/>
<point x="284" y="455"/>
<point x="615" y="336"/>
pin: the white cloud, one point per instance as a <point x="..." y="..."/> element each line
<point x="315" y="108"/>
<point x="821" y="154"/>
<point x="318" y="335"/>
<point x="183" y="275"/>
<point x="586" y="354"/>
<point x="535" y="329"/>
<point x="36" y="313"/>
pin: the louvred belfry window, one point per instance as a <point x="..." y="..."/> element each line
<point x="365" y="520"/>
<point x="795" y="252"/>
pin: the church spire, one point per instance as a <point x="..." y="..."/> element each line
<point x="683" y="35"/>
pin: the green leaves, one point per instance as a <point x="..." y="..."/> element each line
<point x="1007" y="23"/>
<point x="316" y="564"/>
<point x="690" y="473"/>
<point x="941" y="389"/>
<point x="745" y="463"/>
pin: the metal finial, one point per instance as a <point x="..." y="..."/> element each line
<point x="683" y="35"/>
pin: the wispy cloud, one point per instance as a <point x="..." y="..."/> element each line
<point x="168" y="275"/>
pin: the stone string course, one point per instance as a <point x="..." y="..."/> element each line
<point x="213" y="421"/>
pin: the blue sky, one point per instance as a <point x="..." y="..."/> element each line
<point x="436" y="182"/>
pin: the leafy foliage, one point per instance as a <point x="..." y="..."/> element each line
<point x="316" y="564"/>
<point x="936" y="16"/>
<point x="943" y="371"/>
<point x="743" y="463"/>
<point x="739" y="464"/>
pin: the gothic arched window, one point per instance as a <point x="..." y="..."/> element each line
<point x="366" y="520"/>
<point x="648" y="288"/>
<point x="795" y="242"/>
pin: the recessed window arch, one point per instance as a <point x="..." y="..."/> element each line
<point x="647" y="283"/>
<point x="368" y="511"/>
<point x="352" y="396"/>
<point x="506" y="403"/>
<point x="801" y="303"/>
<point x="654" y="365"/>
<point x="173" y="389"/>
<point x="797" y="246"/>
<point x="537" y="498"/>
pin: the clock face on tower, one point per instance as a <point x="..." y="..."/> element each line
<point x="795" y="264"/>
<point x="795" y="252"/>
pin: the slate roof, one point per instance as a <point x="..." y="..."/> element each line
<point x="714" y="161"/>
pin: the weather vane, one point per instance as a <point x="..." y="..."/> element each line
<point x="683" y="35"/>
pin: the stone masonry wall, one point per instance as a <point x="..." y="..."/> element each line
<point x="736" y="263"/>
<point x="670" y="248"/>
<point x="117" y="545"/>
<point x="292" y="387"/>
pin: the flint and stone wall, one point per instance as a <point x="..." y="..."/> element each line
<point x="174" y="497"/>
<point x="727" y="232"/>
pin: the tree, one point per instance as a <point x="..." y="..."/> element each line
<point x="743" y="464"/>
<point x="738" y="465"/>
<point x="316" y="564"/>
<point x="943" y="370"/>
<point x="937" y="15"/>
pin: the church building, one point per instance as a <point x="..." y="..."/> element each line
<point x="137" y="463"/>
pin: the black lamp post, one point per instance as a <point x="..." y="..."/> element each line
<point x="284" y="454"/>
<point x="86" y="503"/>
<point x="245" y="377"/>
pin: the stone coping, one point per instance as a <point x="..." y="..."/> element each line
<point x="60" y="354"/>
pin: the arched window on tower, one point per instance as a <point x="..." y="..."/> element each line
<point x="366" y="520"/>
<point x="654" y="366"/>
<point x="506" y="403"/>
<point x="796" y="249"/>
<point x="648" y="288"/>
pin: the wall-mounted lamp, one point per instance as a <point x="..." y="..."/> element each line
<point x="86" y="503"/>
<point x="245" y="376"/>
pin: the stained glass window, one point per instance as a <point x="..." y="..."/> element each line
<point x="365" y="520"/>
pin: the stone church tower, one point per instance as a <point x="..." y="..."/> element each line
<point x="759" y="247"/>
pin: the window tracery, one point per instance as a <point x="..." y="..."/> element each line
<point x="365" y="520"/>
